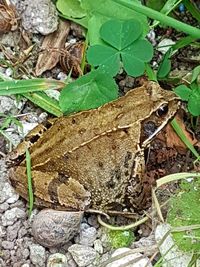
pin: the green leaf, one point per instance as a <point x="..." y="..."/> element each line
<point x="141" y="49"/>
<point x="98" y="13"/>
<point x="195" y="73"/>
<point x="183" y="91"/>
<point x="132" y="51"/>
<point x="132" y="65"/>
<point x="106" y="57"/>
<point x="87" y="92"/>
<point x="71" y="8"/>
<point x="135" y="56"/>
<point x="194" y="102"/>
<point x="120" y="34"/>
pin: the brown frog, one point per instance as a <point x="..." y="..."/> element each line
<point x="94" y="158"/>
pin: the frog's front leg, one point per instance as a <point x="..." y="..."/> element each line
<point x="51" y="189"/>
<point x="137" y="189"/>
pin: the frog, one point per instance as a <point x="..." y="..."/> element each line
<point x="94" y="159"/>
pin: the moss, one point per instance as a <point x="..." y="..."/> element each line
<point x="120" y="239"/>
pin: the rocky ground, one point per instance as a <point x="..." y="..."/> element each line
<point x="64" y="239"/>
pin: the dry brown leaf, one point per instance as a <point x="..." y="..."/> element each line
<point x="173" y="140"/>
<point x="8" y="17"/>
<point x="72" y="57"/>
<point x="51" y="46"/>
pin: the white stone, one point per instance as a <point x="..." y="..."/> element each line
<point x="164" y="45"/>
<point x="171" y="254"/>
<point x="129" y="260"/>
<point x="98" y="246"/>
<point x="26" y="128"/>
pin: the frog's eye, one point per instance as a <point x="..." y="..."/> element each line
<point x="162" y="111"/>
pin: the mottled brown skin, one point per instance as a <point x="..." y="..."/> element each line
<point x="93" y="158"/>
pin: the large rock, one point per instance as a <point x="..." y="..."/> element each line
<point x="52" y="228"/>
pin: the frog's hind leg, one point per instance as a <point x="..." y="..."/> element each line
<point x="50" y="189"/>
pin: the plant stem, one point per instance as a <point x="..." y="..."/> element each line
<point x="164" y="19"/>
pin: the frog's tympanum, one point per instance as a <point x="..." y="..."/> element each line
<point x="94" y="158"/>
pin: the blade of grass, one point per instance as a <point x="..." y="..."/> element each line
<point x="167" y="8"/>
<point x="25" y="86"/>
<point x="185" y="41"/>
<point x="45" y="102"/>
<point x="192" y="9"/>
<point x="174" y="177"/>
<point x="184" y="138"/>
<point x="29" y="177"/>
<point x="195" y="32"/>
<point x="150" y="73"/>
<point x="40" y="98"/>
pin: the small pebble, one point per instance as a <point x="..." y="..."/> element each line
<point x="37" y="255"/>
<point x="57" y="260"/>
<point x="12" y="215"/>
<point x="7" y="245"/>
<point x="83" y="255"/>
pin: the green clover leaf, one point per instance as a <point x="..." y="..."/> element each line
<point x="123" y="45"/>
<point x="87" y="92"/>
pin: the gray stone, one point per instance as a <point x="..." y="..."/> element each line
<point x="92" y="220"/>
<point x="70" y="260"/>
<point x="22" y="232"/>
<point x="57" y="260"/>
<point x="8" y="193"/>
<point x="3" y="207"/>
<point x="83" y="255"/>
<point x="12" y="215"/>
<point x="6" y="254"/>
<point x="51" y="228"/>
<point x="37" y="255"/>
<point x="39" y="16"/>
<point x="2" y="231"/>
<point x="12" y="231"/>
<point x="6" y="104"/>
<point x="7" y="245"/>
<point x="88" y="236"/>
